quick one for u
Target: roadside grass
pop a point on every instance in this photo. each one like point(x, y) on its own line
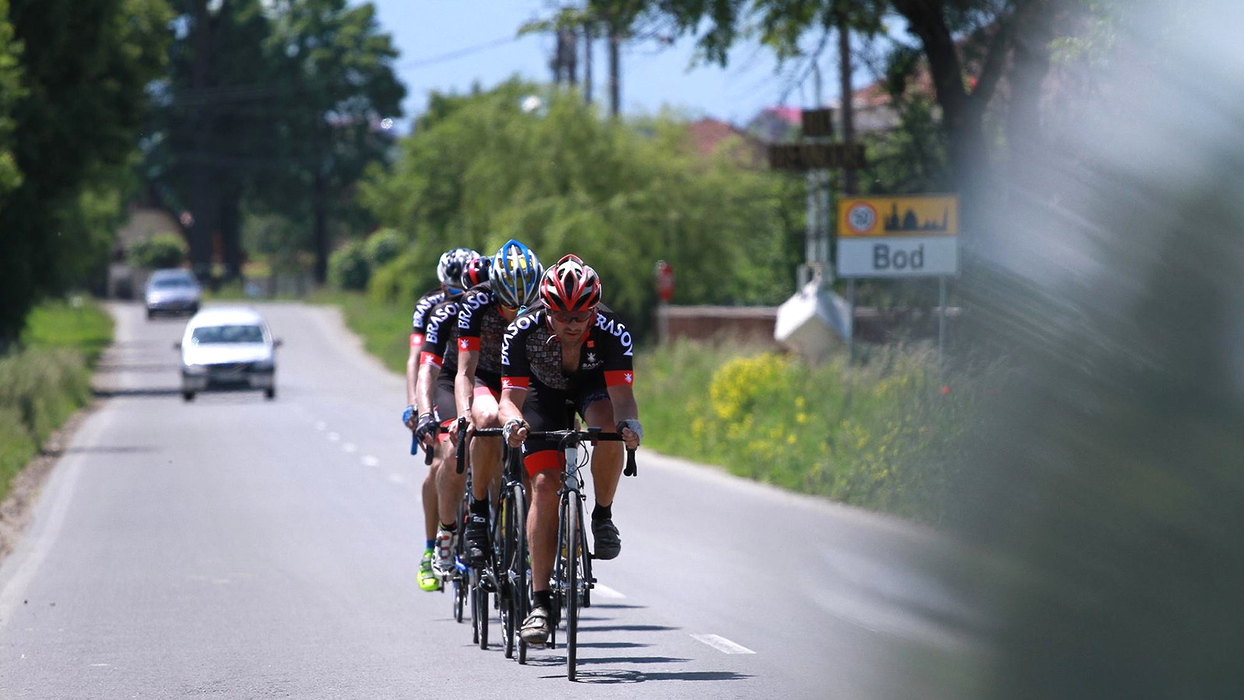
point(384, 328)
point(47, 378)
point(885, 434)
point(78, 323)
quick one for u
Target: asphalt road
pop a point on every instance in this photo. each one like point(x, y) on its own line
point(234, 547)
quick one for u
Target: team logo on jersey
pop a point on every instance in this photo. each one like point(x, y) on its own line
point(464, 344)
point(591, 361)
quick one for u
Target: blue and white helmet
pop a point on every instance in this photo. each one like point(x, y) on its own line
point(515, 276)
point(451, 266)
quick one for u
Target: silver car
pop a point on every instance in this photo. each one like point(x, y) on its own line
point(172, 291)
point(227, 348)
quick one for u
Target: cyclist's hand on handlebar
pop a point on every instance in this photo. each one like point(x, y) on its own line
point(408, 417)
point(425, 429)
point(515, 431)
point(632, 432)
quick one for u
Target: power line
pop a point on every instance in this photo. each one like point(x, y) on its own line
point(456, 54)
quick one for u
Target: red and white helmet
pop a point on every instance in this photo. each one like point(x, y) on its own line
point(570, 285)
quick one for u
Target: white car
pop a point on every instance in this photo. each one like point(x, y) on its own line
point(227, 348)
point(172, 291)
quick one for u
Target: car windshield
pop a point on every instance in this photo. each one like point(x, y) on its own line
point(227, 334)
point(172, 283)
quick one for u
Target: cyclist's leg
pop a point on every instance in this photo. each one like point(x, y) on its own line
point(485, 472)
point(485, 451)
point(449, 484)
point(544, 409)
point(606, 471)
point(428, 579)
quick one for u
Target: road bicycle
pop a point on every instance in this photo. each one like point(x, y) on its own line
point(506, 572)
point(572, 581)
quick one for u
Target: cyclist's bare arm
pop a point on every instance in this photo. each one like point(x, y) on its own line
point(412, 380)
point(511, 408)
point(622, 396)
point(464, 383)
point(425, 387)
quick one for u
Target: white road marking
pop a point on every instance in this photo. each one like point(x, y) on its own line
point(349, 447)
point(334, 437)
point(606, 592)
point(321, 425)
point(397, 478)
point(722, 644)
point(370, 461)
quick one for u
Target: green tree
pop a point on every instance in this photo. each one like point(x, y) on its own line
point(621, 195)
point(340, 68)
point(75, 126)
point(10, 92)
point(968, 47)
point(271, 109)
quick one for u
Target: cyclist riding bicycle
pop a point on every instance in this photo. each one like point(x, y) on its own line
point(567, 348)
point(449, 271)
point(483, 315)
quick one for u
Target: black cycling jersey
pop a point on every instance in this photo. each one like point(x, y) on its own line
point(439, 335)
point(531, 359)
point(419, 318)
point(530, 354)
point(481, 328)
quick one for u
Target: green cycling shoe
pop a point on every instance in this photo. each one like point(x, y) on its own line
point(428, 580)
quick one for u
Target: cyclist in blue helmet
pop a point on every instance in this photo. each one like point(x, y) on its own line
point(483, 315)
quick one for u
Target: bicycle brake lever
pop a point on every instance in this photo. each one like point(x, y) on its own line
point(631, 468)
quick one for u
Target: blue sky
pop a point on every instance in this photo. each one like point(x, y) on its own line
point(447, 45)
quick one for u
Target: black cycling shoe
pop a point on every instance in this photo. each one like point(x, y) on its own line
point(605, 536)
point(477, 546)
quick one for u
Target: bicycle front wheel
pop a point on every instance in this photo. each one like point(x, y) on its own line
point(518, 573)
point(574, 562)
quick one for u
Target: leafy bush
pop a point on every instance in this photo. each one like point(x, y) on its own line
point(382, 246)
point(402, 280)
point(348, 268)
point(160, 251)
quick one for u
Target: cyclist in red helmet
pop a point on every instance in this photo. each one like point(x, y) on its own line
point(568, 347)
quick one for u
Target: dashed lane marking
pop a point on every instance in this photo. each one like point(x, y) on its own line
point(722, 644)
point(334, 437)
point(349, 447)
point(370, 461)
point(606, 592)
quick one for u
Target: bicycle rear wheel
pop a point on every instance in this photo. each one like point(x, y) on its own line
point(506, 593)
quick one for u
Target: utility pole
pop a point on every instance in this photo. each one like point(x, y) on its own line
point(849, 183)
point(587, 62)
point(615, 71)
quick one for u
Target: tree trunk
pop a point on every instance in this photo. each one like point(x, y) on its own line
point(319, 204)
point(1031, 65)
point(201, 199)
point(230, 204)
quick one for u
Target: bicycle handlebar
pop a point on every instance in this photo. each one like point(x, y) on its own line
point(590, 434)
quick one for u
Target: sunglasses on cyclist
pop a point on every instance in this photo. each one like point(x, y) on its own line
point(567, 317)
